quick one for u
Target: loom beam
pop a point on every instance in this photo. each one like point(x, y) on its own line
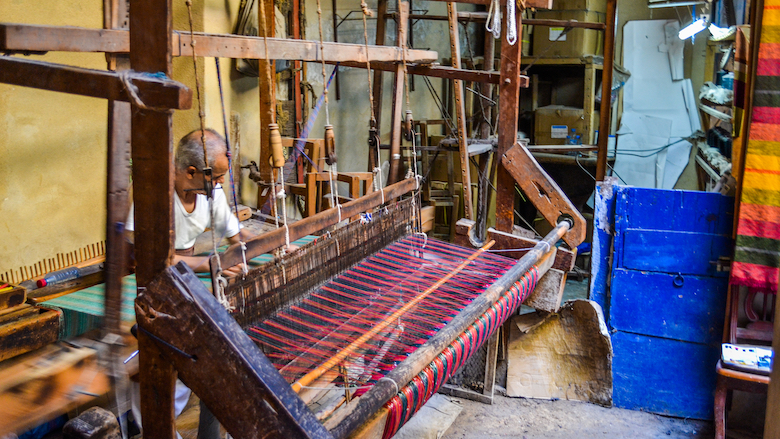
point(218, 361)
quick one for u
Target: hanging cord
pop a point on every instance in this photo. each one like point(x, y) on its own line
point(230, 162)
point(333, 170)
point(322, 57)
point(208, 182)
point(511, 23)
point(416, 205)
point(493, 23)
point(372, 122)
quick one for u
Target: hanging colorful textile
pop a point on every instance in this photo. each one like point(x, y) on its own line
point(757, 253)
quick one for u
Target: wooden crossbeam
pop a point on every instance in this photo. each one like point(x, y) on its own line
point(436, 71)
point(539, 4)
point(152, 91)
point(34, 38)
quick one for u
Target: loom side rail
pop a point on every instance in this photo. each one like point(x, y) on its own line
point(543, 255)
point(218, 361)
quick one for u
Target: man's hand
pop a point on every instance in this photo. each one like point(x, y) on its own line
point(236, 270)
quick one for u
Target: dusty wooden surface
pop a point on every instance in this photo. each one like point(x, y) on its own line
point(40, 386)
point(27, 328)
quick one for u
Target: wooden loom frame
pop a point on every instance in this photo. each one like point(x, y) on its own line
point(154, 43)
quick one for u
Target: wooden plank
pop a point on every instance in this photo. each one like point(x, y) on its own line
point(152, 152)
point(606, 81)
point(548, 294)
point(659, 250)
point(117, 180)
point(688, 369)
point(46, 384)
point(434, 71)
point(13, 297)
point(508, 108)
point(152, 91)
point(688, 308)
point(374, 428)
point(543, 192)
point(460, 112)
point(209, 342)
point(36, 38)
point(26, 329)
point(539, 4)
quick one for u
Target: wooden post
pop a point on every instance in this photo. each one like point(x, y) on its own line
point(606, 90)
point(267, 100)
point(508, 104)
point(150, 38)
point(460, 112)
point(398, 100)
point(118, 179)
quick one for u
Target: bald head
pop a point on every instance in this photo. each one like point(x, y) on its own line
point(189, 152)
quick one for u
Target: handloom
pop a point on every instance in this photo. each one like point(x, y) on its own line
point(364, 324)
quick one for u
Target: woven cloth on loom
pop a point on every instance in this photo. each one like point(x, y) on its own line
point(83, 310)
point(757, 253)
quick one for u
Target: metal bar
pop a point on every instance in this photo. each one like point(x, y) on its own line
point(606, 89)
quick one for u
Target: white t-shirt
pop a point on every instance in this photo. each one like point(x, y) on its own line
point(190, 225)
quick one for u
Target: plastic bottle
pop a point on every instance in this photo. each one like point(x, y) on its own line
point(578, 140)
point(572, 139)
point(59, 276)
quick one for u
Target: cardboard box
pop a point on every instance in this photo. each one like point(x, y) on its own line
point(576, 43)
point(553, 123)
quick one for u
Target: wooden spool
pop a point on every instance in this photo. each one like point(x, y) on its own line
point(277, 151)
point(330, 145)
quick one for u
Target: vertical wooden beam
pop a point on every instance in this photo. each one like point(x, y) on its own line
point(398, 100)
point(118, 178)
point(460, 111)
point(150, 42)
point(267, 94)
point(336, 40)
point(606, 90)
point(508, 108)
point(381, 24)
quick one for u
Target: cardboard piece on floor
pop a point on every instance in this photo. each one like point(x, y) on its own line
point(566, 355)
point(433, 419)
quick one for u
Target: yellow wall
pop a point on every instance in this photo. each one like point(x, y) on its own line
point(52, 152)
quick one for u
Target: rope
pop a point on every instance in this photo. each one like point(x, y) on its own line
point(126, 77)
point(201, 114)
point(493, 23)
point(511, 25)
point(230, 165)
point(322, 57)
point(368, 13)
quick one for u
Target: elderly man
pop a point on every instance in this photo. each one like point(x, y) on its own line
point(192, 216)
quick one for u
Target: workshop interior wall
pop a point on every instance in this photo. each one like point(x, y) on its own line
point(52, 151)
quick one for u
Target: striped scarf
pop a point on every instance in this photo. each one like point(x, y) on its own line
point(757, 254)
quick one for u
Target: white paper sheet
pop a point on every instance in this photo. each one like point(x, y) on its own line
point(657, 109)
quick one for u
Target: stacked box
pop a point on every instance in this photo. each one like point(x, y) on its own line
point(554, 122)
point(576, 43)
